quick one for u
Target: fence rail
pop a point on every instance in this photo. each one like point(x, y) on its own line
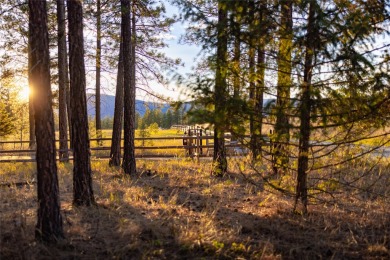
point(189, 146)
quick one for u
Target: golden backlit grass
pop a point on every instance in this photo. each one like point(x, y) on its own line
point(174, 209)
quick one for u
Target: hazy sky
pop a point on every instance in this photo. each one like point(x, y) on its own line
point(187, 53)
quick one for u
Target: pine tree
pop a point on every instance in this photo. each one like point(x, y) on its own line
point(115, 153)
point(342, 99)
point(6, 121)
point(220, 93)
point(82, 174)
point(128, 164)
point(49, 225)
point(305, 108)
point(98, 120)
point(282, 128)
point(62, 81)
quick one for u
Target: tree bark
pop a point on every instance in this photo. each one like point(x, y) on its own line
point(282, 128)
point(98, 120)
point(67, 80)
point(128, 164)
point(30, 97)
point(49, 227)
point(235, 20)
point(305, 110)
point(220, 93)
point(115, 154)
point(259, 99)
point(62, 75)
point(82, 178)
point(252, 81)
point(259, 85)
point(32, 142)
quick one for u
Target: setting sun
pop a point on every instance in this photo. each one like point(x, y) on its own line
point(24, 93)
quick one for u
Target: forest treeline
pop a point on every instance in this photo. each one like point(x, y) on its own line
point(325, 63)
point(163, 119)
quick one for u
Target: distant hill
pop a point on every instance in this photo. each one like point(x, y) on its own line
point(108, 106)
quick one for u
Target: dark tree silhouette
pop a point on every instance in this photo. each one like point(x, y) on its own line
point(98, 120)
point(115, 153)
point(49, 226)
point(128, 164)
point(305, 107)
point(31, 121)
point(220, 93)
point(82, 179)
point(62, 81)
point(282, 128)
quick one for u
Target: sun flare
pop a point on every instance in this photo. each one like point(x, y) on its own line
point(24, 93)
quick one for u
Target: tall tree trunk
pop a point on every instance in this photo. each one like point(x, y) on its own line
point(305, 110)
point(260, 79)
point(255, 142)
point(128, 164)
point(62, 64)
point(115, 154)
point(32, 141)
point(220, 92)
point(235, 20)
point(49, 226)
point(282, 128)
point(30, 98)
point(98, 69)
point(133, 78)
point(259, 98)
point(67, 80)
point(82, 178)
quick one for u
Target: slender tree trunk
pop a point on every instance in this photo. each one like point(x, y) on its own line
point(32, 142)
point(49, 226)
point(220, 93)
point(259, 98)
point(237, 70)
point(260, 78)
point(133, 78)
point(63, 120)
point(98, 69)
point(67, 80)
point(115, 154)
point(128, 164)
point(235, 20)
point(305, 109)
point(82, 178)
point(133, 61)
point(282, 128)
point(30, 98)
point(254, 118)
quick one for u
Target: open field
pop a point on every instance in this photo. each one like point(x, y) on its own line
point(104, 134)
point(174, 209)
point(165, 143)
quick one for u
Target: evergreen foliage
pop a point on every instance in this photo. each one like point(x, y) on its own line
point(325, 63)
point(6, 121)
point(164, 120)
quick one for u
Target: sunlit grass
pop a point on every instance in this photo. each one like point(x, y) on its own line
point(176, 209)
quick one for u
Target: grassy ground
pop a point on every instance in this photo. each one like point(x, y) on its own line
point(105, 145)
point(175, 210)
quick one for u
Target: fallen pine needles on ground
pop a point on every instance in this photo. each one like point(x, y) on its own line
point(175, 209)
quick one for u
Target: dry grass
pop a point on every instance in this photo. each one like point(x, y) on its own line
point(174, 209)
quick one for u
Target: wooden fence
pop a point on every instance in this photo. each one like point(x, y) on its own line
point(179, 146)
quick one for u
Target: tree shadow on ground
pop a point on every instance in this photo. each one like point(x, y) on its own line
point(253, 233)
point(189, 216)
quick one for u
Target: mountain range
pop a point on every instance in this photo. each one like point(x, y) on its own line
point(108, 106)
